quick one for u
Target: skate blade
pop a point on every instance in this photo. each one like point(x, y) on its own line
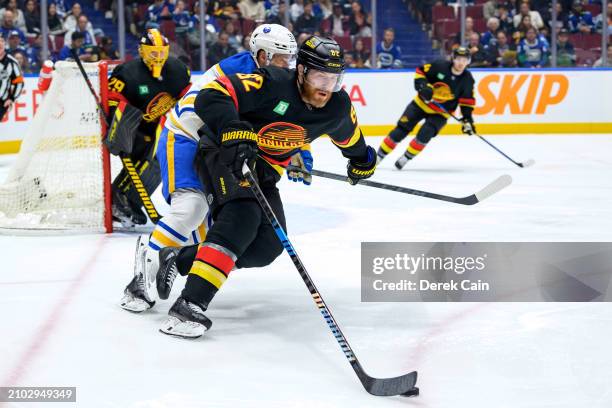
point(187, 330)
point(134, 305)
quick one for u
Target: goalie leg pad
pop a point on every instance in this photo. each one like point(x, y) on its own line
point(122, 131)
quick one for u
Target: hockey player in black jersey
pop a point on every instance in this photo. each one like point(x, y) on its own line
point(140, 92)
point(440, 83)
point(261, 118)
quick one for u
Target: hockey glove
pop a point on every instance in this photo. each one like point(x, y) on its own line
point(467, 125)
point(238, 144)
point(359, 170)
point(426, 93)
point(303, 160)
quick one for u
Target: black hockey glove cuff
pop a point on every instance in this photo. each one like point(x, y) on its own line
point(238, 144)
point(467, 125)
point(426, 93)
point(359, 170)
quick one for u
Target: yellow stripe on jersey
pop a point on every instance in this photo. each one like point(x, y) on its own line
point(219, 70)
point(419, 76)
point(217, 86)
point(170, 158)
point(427, 109)
point(202, 232)
point(354, 139)
point(158, 237)
point(208, 273)
point(187, 101)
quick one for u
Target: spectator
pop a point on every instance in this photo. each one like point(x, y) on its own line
point(359, 21)
point(566, 56)
point(62, 10)
point(599, 62)
point(252, 9)
point(326, 7)
point(14, 43)
point(70, 21)
point(77, 39)
point(490, 9)
point(360, 55)
point(307, 22)
point(479, 57)
point(349, 61)
point(522, 28)
point(469, 30)
point(221, 49)
point(489, 38)
point(336, 23)
point(8, 26)
point(506, 21)
point(54, 22)
point(182, 18)
point(246, 44)
point(159, 10)
point(83, 26)
point(301, 38)
point(503, 53)
point(296, 10)
point(224, 9)
point(18, 16)
point(562, 17)
point(524, 10)
point(107, 51)
point(388, 53)
point(280, 17)
point(33, 53)
point(580, 20)
point(234, 39)
point(532, 52)
point(604, 19)
point(32, 19)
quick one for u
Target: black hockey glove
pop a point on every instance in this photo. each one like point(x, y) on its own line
point(359, 170)
point(426, 93)
point(467, 125)
point(238, 143)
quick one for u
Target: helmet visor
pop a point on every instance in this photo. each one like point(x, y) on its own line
point(324, 81)
point(283, 60)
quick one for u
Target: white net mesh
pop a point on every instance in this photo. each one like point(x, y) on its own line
point(57, 181)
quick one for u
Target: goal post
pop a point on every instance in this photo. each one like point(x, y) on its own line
point(61, 177)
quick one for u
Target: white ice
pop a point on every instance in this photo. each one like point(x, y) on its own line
point(269, 346)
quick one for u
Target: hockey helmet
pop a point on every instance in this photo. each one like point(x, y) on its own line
point(273, 39)
point(462, 52)
point(154, 50)
point(325, 56)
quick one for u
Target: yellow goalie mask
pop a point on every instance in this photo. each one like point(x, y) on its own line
point(154, 50)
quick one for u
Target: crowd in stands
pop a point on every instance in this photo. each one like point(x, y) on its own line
point(518, 33)
point(69, 28)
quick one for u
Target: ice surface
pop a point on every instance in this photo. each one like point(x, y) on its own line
point(269, 347)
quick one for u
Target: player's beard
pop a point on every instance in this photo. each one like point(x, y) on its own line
point(314, 97)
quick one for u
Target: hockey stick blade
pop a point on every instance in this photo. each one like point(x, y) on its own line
point(387, 387)
point(528, 163)
point(492, 188)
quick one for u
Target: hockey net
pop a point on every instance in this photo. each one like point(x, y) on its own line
point(61, 177)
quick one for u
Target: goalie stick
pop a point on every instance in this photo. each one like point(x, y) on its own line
point(493, 187)
point(402, 385)
point(527, 163)
point(145, 199)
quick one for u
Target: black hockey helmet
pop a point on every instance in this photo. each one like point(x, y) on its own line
point(462, 52)
point(321, 53)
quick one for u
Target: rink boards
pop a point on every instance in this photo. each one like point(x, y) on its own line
point(509, 101)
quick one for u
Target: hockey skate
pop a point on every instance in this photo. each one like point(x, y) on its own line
point(137, 295)
point(186, 319)
point(167, 271)
point(401, 162)
point(125, 212)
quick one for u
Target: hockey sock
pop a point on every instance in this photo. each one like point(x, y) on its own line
point(208, 273)
point(414, 148)
point(386, 147)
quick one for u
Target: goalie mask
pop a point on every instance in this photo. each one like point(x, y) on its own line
point(154, 51)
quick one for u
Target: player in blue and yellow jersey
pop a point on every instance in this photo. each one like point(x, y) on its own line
point(185, 223)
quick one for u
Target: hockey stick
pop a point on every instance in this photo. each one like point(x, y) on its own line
point(527, 163)
point(493, 187)
point(126, 161)
point(402, 385)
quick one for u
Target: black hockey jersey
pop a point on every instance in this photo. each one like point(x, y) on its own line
point(270, 100)
point(450, 90)
point(133, 83)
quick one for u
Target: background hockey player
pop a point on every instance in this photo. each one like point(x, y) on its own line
point(141, 91)
point(11, 80)
point(442, 82)
point(263, 119)
point(184, 223)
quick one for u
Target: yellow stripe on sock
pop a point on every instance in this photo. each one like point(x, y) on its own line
point(385, 148)
point(208, 273)
point(413, 151)
point(158, 238)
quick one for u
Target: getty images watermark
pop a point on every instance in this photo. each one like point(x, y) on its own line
point(484, 271)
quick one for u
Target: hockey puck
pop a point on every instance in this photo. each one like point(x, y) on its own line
point(412, 393)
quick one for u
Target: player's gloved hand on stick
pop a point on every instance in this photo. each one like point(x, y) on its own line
point(303, 160)
point(426, 93)
point(359, 170)
point(467, 125)
point(238, 143)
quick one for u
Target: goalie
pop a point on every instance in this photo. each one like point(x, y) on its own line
point(140, 92)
